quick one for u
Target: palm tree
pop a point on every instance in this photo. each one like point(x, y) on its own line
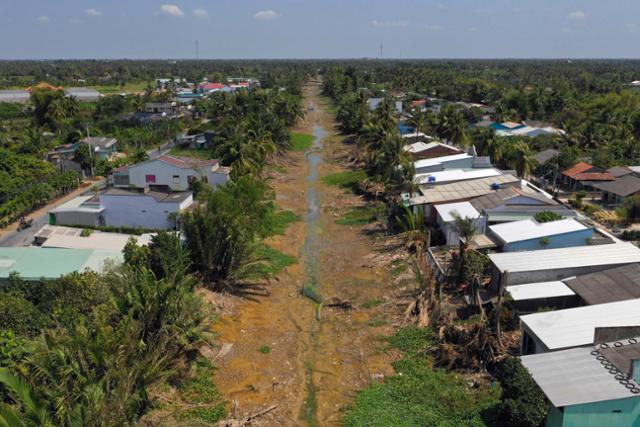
point(29, 406)
point(522, 159)
point(417, 119)
point(466, 228)
point(452, 125)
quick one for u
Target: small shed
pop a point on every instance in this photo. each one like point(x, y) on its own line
point(446, 220)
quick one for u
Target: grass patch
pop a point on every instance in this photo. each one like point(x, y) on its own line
point(420, 395)
point(200, 389)
point(276, 260)
point(372, 303)
point(347, 180)
point(359, 216)
point(301, 141)
point(282, 220)
point(265, 349)
point(129, 87)
point(191, 152)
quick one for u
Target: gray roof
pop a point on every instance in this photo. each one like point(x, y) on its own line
point(565, 258)
point(619, 171)
point(616, 284)
point(576, 376)
point(543, 156)
point(463, 190)
point(624, 186)
point(159, 196)
point(14, 96)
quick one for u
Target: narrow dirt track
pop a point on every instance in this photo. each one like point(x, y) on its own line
point(317, 360)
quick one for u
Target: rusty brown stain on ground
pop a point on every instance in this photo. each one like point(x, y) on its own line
point(338, 354)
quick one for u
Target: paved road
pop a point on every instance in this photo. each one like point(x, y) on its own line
point(25, 237)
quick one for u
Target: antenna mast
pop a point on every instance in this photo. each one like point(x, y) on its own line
point(197, 51)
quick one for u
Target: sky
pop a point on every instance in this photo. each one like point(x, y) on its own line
point(225, 29)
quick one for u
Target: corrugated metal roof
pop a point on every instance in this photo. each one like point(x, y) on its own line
point(33, 263)
point(96, 240)
point(462, 190)
point(463, 209)
point(574, 377)
point(539, 290)
point(616, 284)
point(575, 327)
point(579, 167)
point(423, 163)
point(453, 175)
point(580, 256)
point(530, 229)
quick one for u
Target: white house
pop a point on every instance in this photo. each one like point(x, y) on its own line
point(117, 207)
point(171, 172)
point(446, 219)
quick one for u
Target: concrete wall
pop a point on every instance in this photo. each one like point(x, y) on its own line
point(76, 218)
point(598, 414)
point(140, 211)
point(566, 240)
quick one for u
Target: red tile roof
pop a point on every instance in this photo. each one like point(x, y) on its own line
point(578, 168)
point(594, 176)
point(187, 163)
point(212, 86)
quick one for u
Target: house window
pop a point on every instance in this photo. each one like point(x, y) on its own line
point(176, 179)
point(150, 179)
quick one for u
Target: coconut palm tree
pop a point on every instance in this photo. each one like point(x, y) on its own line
point(466, 228)
point(522, 159)
point(417, 119)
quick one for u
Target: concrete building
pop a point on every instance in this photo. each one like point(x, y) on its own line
point(34, 264)
point(436, 164)
point(445, 219)
point(557, 264)
point(123, 208)
point(529, 235)
point(591, 386)
point(171, 172)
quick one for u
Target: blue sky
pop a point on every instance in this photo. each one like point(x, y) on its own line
point(319, 28)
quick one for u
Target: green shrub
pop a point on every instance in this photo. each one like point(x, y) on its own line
point(265, 349)
point(523, 404)
point(547, 216)
point(347, 180)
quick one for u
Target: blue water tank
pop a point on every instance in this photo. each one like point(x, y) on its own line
point(432, 179)
point(495, 186)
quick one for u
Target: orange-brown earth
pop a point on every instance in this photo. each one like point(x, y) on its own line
point(318, 357)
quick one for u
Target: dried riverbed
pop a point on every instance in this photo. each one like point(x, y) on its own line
point(285, 349)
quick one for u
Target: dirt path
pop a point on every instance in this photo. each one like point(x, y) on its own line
point(312, 361)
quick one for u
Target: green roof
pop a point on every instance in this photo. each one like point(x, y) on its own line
point(33, 263)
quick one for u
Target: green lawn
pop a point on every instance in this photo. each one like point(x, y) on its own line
point(301, 141)
point(191, 152)
point(420, 395)
point(277, 261)
point(359, 216)
point(129, 87)
point(281, 221)
point(346, 180)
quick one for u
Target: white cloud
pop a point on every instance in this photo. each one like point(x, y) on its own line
point(266, 15)
point(43, 19)
point(200, 13)
point(390, 24)
point(92, 12)
point(577, 16)
point(171, 10)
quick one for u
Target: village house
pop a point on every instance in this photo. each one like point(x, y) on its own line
point(528, 234)
point(170, 172)
point(101, 147)
point(613, 285)
point(56, 236)
point(615, 192)
point(582, 175)
point(592, 386)
point(446, 217)
point(116, 207)
point(557, 264)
